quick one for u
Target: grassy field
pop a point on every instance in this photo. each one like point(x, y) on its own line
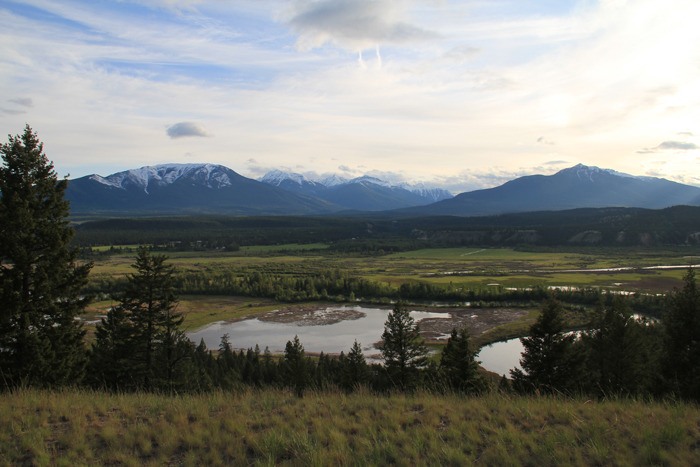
point(271, 427)
point(199, 310)
point(462, 267)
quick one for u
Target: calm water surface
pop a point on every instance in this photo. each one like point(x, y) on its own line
point(328, 338)
point(501, 357)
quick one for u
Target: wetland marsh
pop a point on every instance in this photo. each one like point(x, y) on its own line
point(333, 326)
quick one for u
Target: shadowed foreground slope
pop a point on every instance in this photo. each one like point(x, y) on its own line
point(273, 427)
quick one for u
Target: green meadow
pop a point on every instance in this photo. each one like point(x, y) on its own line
point(460, 267)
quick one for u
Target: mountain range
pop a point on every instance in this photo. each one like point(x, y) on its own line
point(210, 188)
point(579, 186)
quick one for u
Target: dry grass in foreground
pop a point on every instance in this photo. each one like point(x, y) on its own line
point(331, 428)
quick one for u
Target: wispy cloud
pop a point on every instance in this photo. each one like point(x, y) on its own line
point(354, 24)
point(22, 101)
point(670, 146)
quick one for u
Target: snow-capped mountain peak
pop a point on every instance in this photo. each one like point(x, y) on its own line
point(332, 180)
point(369, 179)
point(209, 175)
point(276, 177)
point(591, 173)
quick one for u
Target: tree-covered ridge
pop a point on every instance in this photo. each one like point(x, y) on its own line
point(676, 225)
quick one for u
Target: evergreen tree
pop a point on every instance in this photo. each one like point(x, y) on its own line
point(548, 360)
point(229, 371)
point(458, 364)
point(621, 352)
point(41, 340)
point(355, 371)
point(110, 356)
point(149, 298)
point(205, 368)
point(146, 324)
point(682, 339)
point(403, 349)
point(295, 370)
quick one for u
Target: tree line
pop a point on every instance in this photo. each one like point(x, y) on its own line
point(619, 354)
point(341, 286)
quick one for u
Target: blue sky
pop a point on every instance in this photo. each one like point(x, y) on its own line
point(461, 94)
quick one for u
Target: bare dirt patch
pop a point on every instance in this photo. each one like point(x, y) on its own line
point(311, 315)
point(476, 320)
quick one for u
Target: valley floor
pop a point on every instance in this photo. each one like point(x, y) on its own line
point(332, 428)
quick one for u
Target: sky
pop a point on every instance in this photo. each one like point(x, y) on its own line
point(458, 94)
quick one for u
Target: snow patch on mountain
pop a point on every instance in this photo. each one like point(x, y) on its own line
point(277, 177)
point(366, 179)
point(428, 192)
point(588, 172)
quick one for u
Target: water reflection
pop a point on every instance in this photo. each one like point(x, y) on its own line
point(501, 357)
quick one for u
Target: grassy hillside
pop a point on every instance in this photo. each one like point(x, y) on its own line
point(274, 427)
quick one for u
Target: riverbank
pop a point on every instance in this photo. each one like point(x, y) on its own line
point(332, 428)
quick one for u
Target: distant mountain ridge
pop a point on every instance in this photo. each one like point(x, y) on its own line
point(364, 193)
point(579, 186)
point(185, 188)
point(212, 188)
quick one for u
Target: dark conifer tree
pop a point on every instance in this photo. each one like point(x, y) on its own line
point(111, 354)
point(149, 299)
point(458, 364)
point(146, 316)
point(41, 341)
point(205, 368)
point(548, 361)
point(404, 351)
point(354, 369)
point(295, 367)
point(682, 339)
point(621, 352)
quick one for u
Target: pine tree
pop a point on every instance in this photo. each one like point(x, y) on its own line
point(620, 352)
point(682, 340)
point(295, 370)
point(146, 324)
point(150, 299)
point(355, 371)
point(403, 349)
point(110, 357)
point(458, 364)
point(41, 339)
point(548, 360)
